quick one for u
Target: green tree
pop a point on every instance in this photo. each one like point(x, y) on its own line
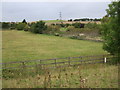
point(26, 28)
point(38, 27)
point(5, 25)
point(13, 25)
point(24, 21)
point(20, 26)
point(111, 29)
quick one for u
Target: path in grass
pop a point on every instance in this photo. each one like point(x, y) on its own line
point(21, 45)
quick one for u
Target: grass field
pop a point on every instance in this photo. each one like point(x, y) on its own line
point(20, 45)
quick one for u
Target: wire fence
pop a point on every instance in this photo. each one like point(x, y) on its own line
point(68, 72)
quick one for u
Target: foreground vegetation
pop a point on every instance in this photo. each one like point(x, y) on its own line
point(21, 45)
point(83, 76)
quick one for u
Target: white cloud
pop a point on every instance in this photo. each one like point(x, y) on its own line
point(57, 0)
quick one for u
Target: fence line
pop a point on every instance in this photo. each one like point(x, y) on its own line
point(53, 59)
point(67, 61)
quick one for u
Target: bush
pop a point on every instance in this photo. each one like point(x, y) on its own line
point(26, 28)
point(38, 27)
point(21, 26)
point(52, 29)
point(62, 25)
point(93, 27)
point(5, 25)
point(63, 29)
point(76, 25)
point(67, 24)
point(70, 28)
point(13, 25)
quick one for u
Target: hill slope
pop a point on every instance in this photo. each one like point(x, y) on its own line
point(20, 45)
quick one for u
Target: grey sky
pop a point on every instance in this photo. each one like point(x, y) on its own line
point(34, 11)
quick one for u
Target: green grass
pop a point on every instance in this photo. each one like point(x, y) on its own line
point(83, 76)
point(20, 45)
point(63, 29)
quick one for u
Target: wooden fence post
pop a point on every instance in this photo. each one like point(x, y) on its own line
point(69, 61)
point(55, 62)
point(40, 61)
point(5, 66)
point(23, 64)
point(103, 58)
point(40, 65)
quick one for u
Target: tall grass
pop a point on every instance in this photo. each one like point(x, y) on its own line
point(89, 76)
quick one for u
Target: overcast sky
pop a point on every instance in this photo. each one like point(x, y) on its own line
point(34, 11)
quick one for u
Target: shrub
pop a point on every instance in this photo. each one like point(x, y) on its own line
point(67, 24)
point(48, 30)
point(93, 27)
point(76, 25)
point(74, 30)
point(53, 30)
point(5, 25)
point(13, 25)
point(21, 26)
point(70, 28)
point(26, 28)
point(62, 25)
point(38, 27)
point(63, 29)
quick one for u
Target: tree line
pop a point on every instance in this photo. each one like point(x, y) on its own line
point(86, 19)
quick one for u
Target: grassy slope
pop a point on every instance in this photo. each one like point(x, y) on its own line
point(20, 45)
